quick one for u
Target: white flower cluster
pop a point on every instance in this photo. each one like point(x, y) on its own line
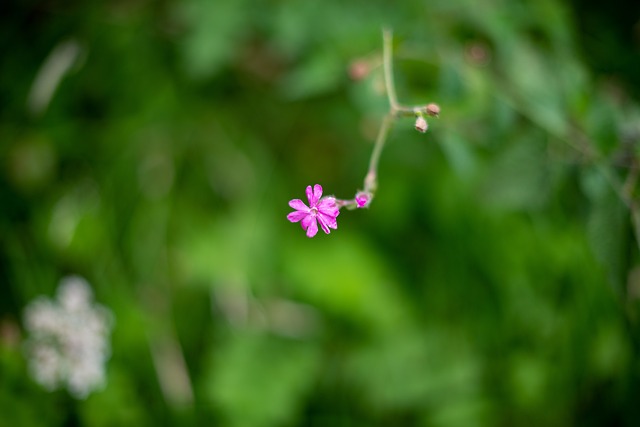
point(69, 339)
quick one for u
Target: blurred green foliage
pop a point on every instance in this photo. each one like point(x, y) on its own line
point(152, 148)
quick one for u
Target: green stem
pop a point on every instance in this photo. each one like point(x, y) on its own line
point(387, 58)
point(371, 180)
point(395, 110)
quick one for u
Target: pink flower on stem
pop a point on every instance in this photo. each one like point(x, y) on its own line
point(320, 209)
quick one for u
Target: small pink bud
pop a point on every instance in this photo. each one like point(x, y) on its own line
point(363, 199)
point(359, 69)
point(433, 110)
point(421, 124)
point(478, 53)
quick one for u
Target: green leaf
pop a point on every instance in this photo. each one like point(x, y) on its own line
point(259, 381)
point(214, 30)
point(344, 277)
point(459, 154)
point(607, 224)
point(519, 177)
point(415, 368)
point(320, 73)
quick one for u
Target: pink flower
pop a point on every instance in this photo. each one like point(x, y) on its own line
point(320, 209)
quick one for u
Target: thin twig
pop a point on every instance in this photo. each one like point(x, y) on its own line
point(387, 58)
point(371, 180)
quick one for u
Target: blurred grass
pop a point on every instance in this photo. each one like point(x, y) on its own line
point(490, 283)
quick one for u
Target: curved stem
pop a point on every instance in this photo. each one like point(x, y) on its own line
point(395, 110)
point(371, 180)
point(387, 58)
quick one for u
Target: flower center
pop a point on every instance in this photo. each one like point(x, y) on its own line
point(314, 211)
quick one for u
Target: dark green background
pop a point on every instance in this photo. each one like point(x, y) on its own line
point(494, 280)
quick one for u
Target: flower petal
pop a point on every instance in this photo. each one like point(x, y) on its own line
point(313, 229)
point(310, 225)
point(327, 222)
point(317, 193)
point(297, 216)
point(309, 192)
point(306, 221)
point(328, 206)
point(298, 205)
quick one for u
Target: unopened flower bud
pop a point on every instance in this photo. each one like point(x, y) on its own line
point(363, 199)
point(421, 124)
point(433, 110)
point(359, 69)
